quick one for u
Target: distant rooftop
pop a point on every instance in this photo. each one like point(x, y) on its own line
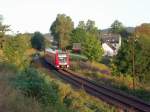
point(110, 38)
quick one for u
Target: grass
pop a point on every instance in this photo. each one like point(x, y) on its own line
point(2, 57)
point(76, 99)
point(16, 100)
point(100, 66)
point(88, 68)
point(30, 51)
point(121, 82)
point(125, 84)
point(1, 52)
point(61, 96)
point(78, 57)
point(12, 100)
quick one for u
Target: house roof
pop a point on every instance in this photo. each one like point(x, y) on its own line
point(111, 46)
point(110, 38)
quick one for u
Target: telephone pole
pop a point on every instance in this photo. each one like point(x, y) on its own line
point(133, 62)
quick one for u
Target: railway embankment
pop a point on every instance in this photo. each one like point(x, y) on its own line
point(40, 92)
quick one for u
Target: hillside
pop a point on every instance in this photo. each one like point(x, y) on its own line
point(128, 29)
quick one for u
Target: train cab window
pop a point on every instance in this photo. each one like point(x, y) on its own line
point(62, 59)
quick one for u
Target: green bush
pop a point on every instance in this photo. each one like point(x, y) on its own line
point(15, 51)
point(32, 84)
point(54, 95)
point(28, 91)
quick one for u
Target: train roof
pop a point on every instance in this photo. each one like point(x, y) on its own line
point(54, 50)
point(50, 50)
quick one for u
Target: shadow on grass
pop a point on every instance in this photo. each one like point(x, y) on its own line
point(141, 93)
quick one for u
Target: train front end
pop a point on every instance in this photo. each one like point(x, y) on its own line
point(63, 60)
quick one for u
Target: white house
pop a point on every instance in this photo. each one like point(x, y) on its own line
point(111, 43)
point(108, 51)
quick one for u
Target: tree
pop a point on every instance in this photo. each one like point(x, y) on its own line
point(123, 59)
point(137, 46)
point(143, 29)
point(81, 25)
point(90, 25)
point(88, 36)
point(38, 41)
point(3, 30)
point(78, 35)
point(142, 61)
point(61, 30)
point(92, 29)
point(92, 48)
point(117, 27)
point(15, 51)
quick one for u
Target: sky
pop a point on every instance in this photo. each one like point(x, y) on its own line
point(38, 15)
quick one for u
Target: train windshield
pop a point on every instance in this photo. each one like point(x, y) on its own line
point(62, 58)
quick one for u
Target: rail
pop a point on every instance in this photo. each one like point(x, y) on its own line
point(108, 94)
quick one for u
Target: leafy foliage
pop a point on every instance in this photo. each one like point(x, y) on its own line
point(78, 35)
point(15, 50)
point(3, 30)
point(123, 60)
point(92, 49)
point(38, 41)
point(11, 99)
point(81, 25)
point(117, 27)
point(92, 29)
point(142, 61)
point(35, 85)
point(80, 101)
point(139, 48)
point(88, 36)
point(61, 30)
point(32, 84)
point(89, 27)
point(143, 29)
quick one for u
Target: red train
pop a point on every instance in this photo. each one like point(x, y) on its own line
point(57, 58)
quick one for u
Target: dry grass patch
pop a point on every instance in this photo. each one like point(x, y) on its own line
point(30, 51)
point(12, 100)
point(78, 100)
point(100, 66)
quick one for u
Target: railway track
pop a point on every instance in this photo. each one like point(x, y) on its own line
point(107, 94)
point(111, 96)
